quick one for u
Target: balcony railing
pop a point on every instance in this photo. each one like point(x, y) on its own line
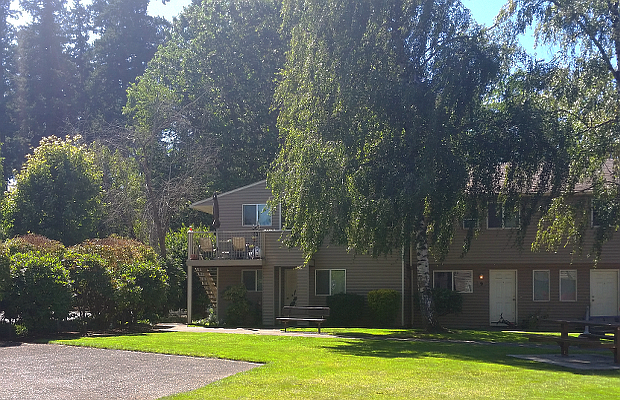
point(243, 245)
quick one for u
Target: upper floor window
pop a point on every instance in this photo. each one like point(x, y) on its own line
point(501, 217)
point(256, 215)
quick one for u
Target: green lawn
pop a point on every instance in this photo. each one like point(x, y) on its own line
point(370, 367)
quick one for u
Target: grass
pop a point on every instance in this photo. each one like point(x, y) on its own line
point(365, 365)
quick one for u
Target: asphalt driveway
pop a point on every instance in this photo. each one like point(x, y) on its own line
point(49, 371)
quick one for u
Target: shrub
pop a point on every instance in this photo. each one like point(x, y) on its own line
point(117, 250)
point(447, 301)
point(140, 291)
point(39, 295)
point(384, 305)
point(32, 242)
point(93, 293)
point(345, 309)
point(238, 311)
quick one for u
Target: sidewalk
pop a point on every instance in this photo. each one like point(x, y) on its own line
point(179, 327)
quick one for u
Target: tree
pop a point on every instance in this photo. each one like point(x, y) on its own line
point(45, 91)
point(127, 39)
point(221, 63)
point(7, 70)
point(200, 115)
point(57, 193)
point(381, 110)
point(583, 91)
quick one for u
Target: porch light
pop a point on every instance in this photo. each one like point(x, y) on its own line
point(481, 277)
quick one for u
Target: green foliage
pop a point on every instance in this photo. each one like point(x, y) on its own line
point(384, 305)
point(39, 295)
point(238, 311)
point(345, 309)
point(93, 292)
point(447, 301)
point(176, 256)
point(580, 94)
point(139, 291)
point(57, 193)
point(219, 67)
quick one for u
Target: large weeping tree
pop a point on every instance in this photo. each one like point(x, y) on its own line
point(381, 111)
point(582, 89)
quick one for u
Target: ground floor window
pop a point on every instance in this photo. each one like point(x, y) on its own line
point(253, 280)
point(330, 281)
point(461, 281)
point(568, 285)
point(541, 285)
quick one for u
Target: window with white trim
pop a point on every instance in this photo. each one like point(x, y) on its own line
point(568, 285)
point(461, 281)
point(256, 215)
point(540, 284)
point(252, 279)
point(328, 282)
point(470, 223)
point(500, 217)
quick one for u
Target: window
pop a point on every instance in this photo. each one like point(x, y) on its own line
point(470, 223)
point(461, 281)
point(502, 217)
point(541, 285)
point(568, 285)
point(256, 214)
point(252, 280)
point(330, 281)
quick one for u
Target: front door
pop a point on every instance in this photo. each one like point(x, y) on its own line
point(604, 292)
point(289, 287)
point(502, 296)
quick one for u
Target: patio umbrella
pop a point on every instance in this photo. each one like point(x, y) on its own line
point(216, 212)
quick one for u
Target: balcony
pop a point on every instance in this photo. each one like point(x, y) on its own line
point(224, 248)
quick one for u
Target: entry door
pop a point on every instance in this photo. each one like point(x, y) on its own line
point(289, 286)
point(502, 295)
point(604, 292)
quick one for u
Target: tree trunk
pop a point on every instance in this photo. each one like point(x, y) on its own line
point(427, 305)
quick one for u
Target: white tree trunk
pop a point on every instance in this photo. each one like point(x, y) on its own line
point(427, 306)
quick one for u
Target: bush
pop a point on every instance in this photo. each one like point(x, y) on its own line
point(238, 311)
point(447, 301)
point(93, 292)
point(384, 305)
point(345, 309)
point(39, 295)
point(140, 291)
point(32, 242)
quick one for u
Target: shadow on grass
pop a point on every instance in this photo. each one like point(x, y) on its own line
point(495, 353)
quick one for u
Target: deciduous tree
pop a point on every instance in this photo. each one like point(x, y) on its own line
point(381, 110)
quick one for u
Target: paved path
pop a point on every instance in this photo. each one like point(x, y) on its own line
point(48, 371)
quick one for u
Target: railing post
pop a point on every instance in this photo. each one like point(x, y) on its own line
point(190, 251)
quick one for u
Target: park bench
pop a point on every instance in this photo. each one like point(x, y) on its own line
point(314, 314)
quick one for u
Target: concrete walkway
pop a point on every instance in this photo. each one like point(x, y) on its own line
point(49, 371)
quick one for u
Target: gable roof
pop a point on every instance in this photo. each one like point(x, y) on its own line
point(206, 205)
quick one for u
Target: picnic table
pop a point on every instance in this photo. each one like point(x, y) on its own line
point(566, 341)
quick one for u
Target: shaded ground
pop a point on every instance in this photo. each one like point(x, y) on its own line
point(47, 371)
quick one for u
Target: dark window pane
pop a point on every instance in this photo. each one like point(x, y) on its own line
point(322, 282)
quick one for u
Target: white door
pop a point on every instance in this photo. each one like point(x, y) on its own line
point(289, 286)
point(502, 296)
point(604, 292)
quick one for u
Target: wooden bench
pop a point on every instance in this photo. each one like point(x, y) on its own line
point(313, 314)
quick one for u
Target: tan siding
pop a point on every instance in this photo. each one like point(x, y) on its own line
point(231, 204)
point(363, 273)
